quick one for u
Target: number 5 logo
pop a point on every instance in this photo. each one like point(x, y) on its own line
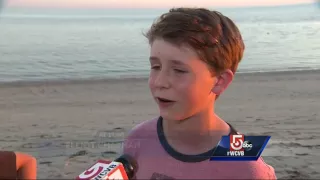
point(92, 172)
point(236, 142)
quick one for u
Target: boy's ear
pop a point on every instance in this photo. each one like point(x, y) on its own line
point(223, 81)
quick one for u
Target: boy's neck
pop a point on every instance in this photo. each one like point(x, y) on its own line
point(197, 133)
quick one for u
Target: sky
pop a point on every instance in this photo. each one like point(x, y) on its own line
point(147, 3)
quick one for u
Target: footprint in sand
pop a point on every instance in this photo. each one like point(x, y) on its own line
point(79, 153)
point(108, 154)
point(36, 145)
point(46, 162)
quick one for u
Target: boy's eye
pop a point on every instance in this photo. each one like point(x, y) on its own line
point(180, 71)
point(155, 67)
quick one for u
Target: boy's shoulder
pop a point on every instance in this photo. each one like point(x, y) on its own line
point(252, 170)
point(136, 137)
point(144, 129)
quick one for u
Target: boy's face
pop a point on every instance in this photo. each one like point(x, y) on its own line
point(181, 84)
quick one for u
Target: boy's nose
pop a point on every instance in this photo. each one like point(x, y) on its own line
point(162, 80)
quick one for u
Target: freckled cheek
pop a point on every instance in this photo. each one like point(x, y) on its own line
point(151, 82)
point(184, 91)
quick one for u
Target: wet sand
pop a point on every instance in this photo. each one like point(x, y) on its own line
point(67, 126)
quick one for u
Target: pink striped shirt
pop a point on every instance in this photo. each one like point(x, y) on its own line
point(158, 160)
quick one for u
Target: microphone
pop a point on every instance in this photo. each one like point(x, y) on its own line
point(124, 167)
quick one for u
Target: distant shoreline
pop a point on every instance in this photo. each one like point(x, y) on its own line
point(165, 8)
point(126, 78)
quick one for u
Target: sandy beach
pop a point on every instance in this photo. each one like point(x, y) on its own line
point(67, 126)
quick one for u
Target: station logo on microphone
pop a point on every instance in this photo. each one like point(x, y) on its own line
point(239, 147)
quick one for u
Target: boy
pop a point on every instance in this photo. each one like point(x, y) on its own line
point(194, 56)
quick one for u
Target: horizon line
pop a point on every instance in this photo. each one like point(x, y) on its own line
point(222, 7)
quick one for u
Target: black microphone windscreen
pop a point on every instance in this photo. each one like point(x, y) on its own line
point(130, 165)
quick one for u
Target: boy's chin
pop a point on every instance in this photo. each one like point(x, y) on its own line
point(170, 116)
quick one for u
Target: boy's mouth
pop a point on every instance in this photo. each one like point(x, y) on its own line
point(163, 100)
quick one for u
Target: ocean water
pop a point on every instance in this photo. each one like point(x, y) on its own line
point(59, 44)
